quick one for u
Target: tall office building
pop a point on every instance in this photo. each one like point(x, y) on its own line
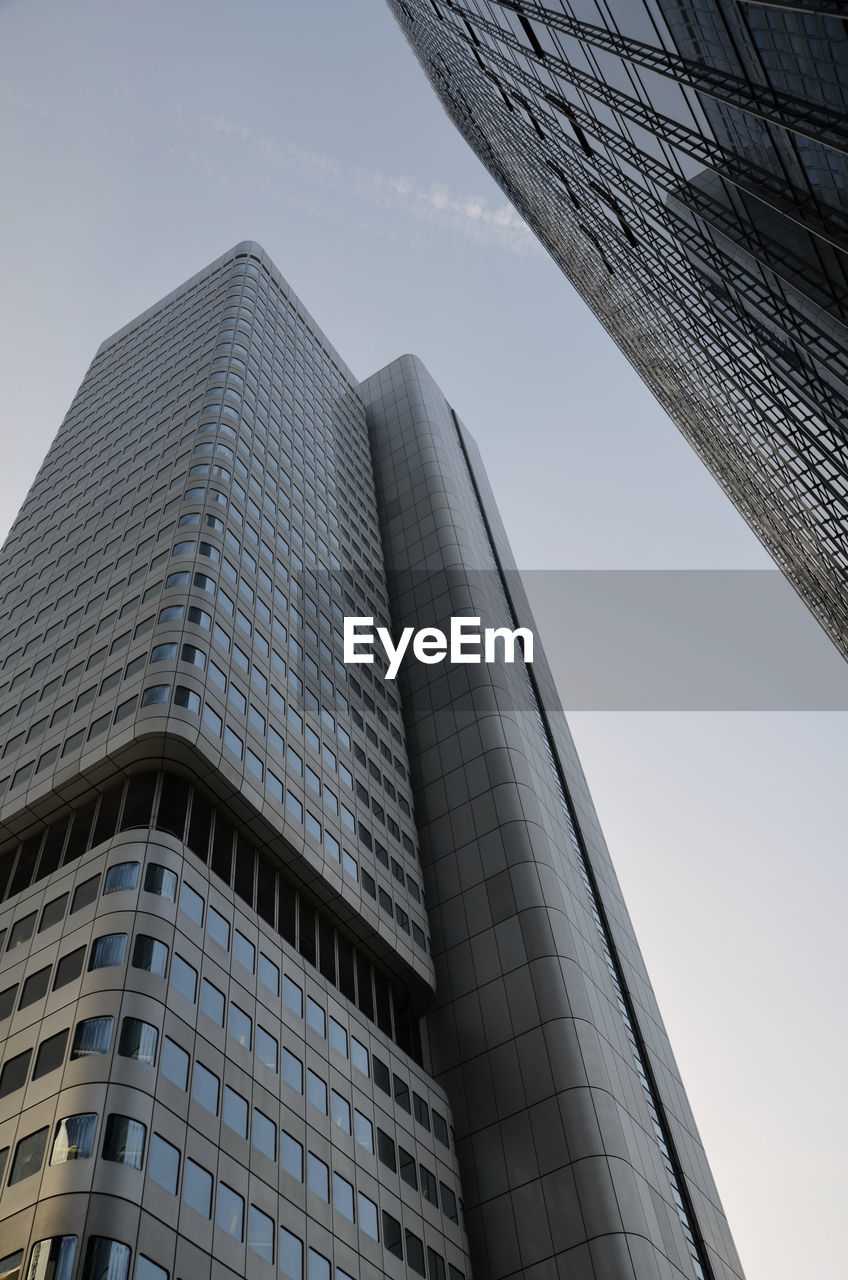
point(684, 161)
point(294, 979)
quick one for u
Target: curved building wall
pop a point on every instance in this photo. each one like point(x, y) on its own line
point(577, 1147)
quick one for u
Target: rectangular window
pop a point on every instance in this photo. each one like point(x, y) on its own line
point(316, 1091)
point(264, 1134)
point(260, 1234)
point(29, 1156)
point(184, 978)
point(240, 1026)
point(317, 1176)
point(291, 1155)
point(291, 1255)
point(175, 1062)
point(205, 1088)
point(197, 1188)
point(235, 1111)
point(163, 1166)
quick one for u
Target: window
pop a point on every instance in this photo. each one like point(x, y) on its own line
point(363, 1131)
point(449, 1206)
point(293, 996)
point(317, 1177)
point(408, 1168)
point(155, 694)
point(316, 1017)
point(191, 904)
point(175, 1063)
point(244, 951)
point(339, 1111)
point(212, 1002)
point(264, 1134)
point(7, 1001)
point(69, 968)
point(317, 1266)
point(108, 951)
point(269, 974)
point(291, 1155)
point(53, 912)
point(440, 1129)
point(35, 988)
point(235, 1111)
point(392, 1236)
point(267, 1049)
point(428, 1185)
point(124, 1141)
point(368, 1217)
point(205, 1088)
point(51, 1054)
point(29, 1155)
point(184, 978)
point(122, 876)
point(386, 1150)
point(291, 1255)
point(11, 1263)
point(316, 1091)
point(402, 1094)
point(106, 1260)
point(381, 1075)
point(343, 1197)
point(338, 1037)
point(230, 1212)
point(240, 1026)
point(359, 1056)
point(92, 1035)
point(163, 1166)
point(150, 954)
point(218, 928)
point(415, 1253)
point(74, 1138)
point(260, 1234)
point(21, 932)
point(421, 1110)
point(52, 1259)
point(147, 1270)
point(197, 1188)
point(85, 894)
point(161, 881)
point(435, 1265)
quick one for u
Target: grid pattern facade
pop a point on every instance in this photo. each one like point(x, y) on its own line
point(214, 948)
point(685, 164)
point(292, 983)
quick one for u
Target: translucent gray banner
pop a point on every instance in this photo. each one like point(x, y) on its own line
point(690, 640)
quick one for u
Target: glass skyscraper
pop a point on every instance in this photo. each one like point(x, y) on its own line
point(303, 972)
point(684, 161)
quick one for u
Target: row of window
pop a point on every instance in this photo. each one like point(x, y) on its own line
point(125, 1142)
point(189, 699)
point(151, 955)
point(105, 1259)
point(181, 810)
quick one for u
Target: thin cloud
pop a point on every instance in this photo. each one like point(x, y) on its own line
point(472, 216)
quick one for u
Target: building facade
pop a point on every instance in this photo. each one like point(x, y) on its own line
point(684, 161)
point(303, 971)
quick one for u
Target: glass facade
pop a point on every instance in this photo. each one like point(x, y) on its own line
point(293, 977)
point(684, 161)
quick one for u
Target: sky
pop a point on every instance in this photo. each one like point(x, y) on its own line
point(141, 141)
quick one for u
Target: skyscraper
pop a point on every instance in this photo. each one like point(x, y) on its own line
point(302, 970)
point(684, 161)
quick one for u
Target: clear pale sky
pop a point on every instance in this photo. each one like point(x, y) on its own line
point(141, 141)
